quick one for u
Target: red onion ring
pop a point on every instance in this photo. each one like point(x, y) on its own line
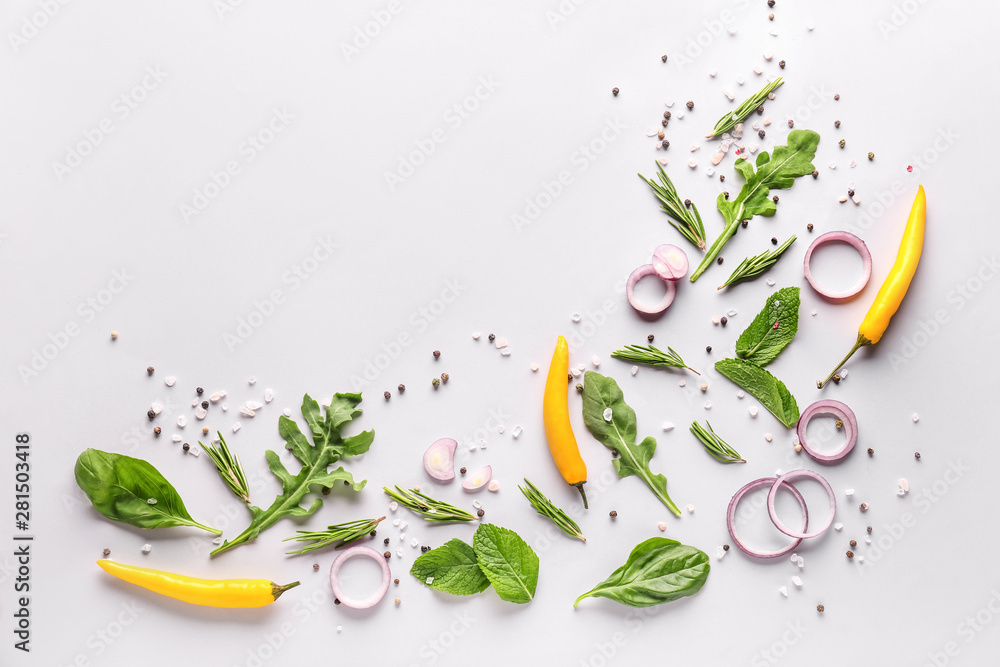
point(854, 242)
point(784, 479)
point(372, 599)
point(642, 272)
point(731, 517)
point(834, 409)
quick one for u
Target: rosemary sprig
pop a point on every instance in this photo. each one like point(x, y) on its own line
point(715, 445)
point(546, 508)
point(740, 113)
point(652, 356)
point(690, 226)
point(340, 534)
point(751, 267)
point(230, 468)
point(432, 510)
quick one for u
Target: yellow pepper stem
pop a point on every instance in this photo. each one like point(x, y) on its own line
point(584, 494)
point(862, 341)
point(277, 590)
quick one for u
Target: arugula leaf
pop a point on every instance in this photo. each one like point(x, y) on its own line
point(131, 491)
point(601, 393)
point(507, 561)
point(327, 448)
point(658, 570)
point(763, 386)
point(452, 568)
point(773, 172)
point(772, 329)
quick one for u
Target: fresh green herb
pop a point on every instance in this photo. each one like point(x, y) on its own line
point(788, 163)
point(230, 468)
point(547, 508)
point(690, 226)
point(432, 510)
point(714, 445)
point(751, 267)
point(131, 491)
point(772, 329)
point(763, 386)
point(740, 113)
point(651, 356)
point(507, 561)
point(340, 534)
point(452, 568)
point(328, 447)
point(618, 433)
point(658, 570)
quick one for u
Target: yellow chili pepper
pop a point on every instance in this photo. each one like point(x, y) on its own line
point(896, 283)
point(228, 593)
point(558, 430)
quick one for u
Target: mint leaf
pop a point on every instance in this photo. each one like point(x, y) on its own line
point(452, 568)
point(763, 386)
point(761, 342)
point(507, 561)
point(601, 393)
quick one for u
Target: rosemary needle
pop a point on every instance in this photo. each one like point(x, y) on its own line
point(690, 226)
point(751, 267)
point(740, 113)
point(652, 356)
point(432, 510)
point(340, 534)
point(714, 445)
point(546, 508)
point(230, 468)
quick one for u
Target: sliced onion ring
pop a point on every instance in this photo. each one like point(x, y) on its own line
point(731, 517)
point(785, 479)
point(834, 409)
point(372, 599)
point(642, 272)
point(854, 242)
point(439, 459)
point(670, 262)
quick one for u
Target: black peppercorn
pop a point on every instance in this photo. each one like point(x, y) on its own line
point(722, 178)
point(186, 447)
point(157, 430)
point(650, 338)
point(850, 193)
point(775, 199)
point(724, 320)
point(916, 455)
point(815, 174)
point(386, 541)
point(480, 513)
point(726, 195)
point(200, 391)
point(149, 370)
point(745, 223)
point(396, 581)
point(388, 555)
point(666, 115)
point(664, 122)
point(871, 452)
point(463, 470)
point(725, 547)
point(781, 64)
point(774, 240)
point(809, 226)
point(869, 529)
point(760, 110)
point(871, 156)
point(614, 91)
point(719, 260)
point(613, 514)
point(820, 608)
point(850, 554)
point(853, 543)
point(761, 133)
point(663, 58)
point(690, 104)
point(437, 354)
point(315, 567)
point(687, 202)
point(204, 405)
point(337, 600)
point(708, 348)
point(150, 414)
point(401, 388)
point(665, 144)
point(836, 123)
point(492, 337)
point(107, 552)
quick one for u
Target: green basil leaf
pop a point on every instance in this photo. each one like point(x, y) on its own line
point(121, 488)
point(602, 393)
point(507, 561)
point(772, 329)
point(452, 568)
point(759, 383)
point(658, 570)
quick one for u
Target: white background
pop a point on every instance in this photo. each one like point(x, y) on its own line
point(908, 76)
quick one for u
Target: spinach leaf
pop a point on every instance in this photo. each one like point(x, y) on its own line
point(131, 491)
point(452, 568)
point(763, 386)
point(507, 561)
point(658, 570)
point(772, 329)
point(601, 393)
point(328, 446)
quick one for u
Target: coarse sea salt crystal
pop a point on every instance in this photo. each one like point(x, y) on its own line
point(534, 368)
point(693, 164)
point(287, 412)
point(679, 114)
point(729, 94)
point(838, 526)
point(662, 526)
point(732, 312)
point(852, 164)
point(772, 33)
point(848, 492)
point(395, 522)
point(477, 504)
point(861, 559)
point(813, 313)
point(795, 438)
point(668, 426)
point(194, 451)
point(607, 414)
point(200, 413)
point(516, 432)
point(652, 132)
point(182, 421)
point(393, 506)
point(151, 501)
point(402, 536)
point(176, 438)
point(904, 486)
point(596, 360)
point(768, 437)
point(770, 282)
point(740, 394)
point(576, 317)
point(146, 548)
point(415, 543)
point(843, 373)
point(784, 591)
point(832, 165)
point(246, 412)
point(767, 121)
point(732, 30)
point(225, 407)
point(739, 80)
point(476, 335)
point(252, 380)
point(635, 369)
point(708, 405)
point(268, 395)
point(690, 509)
point(713, 73)
point(215, 398)
point(399, 552)
point(494, 486)
point(575, 372)
point(501, 429)
point(753, 410)
point(194, 402)
point(169, 380)
point(237, 426)
point(156, 408)
point(797, 582)
point(716, 320)
point(915, 417)
point(720, 552)
point(501, 343)
point(757, 70)
point(254, 405)
point(717, 158)
point(505, 352)
point(682, 383)
point(662, 160)
point(768, 55)
point(217, 540)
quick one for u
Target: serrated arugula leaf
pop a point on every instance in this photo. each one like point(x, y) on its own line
point(507, 561)
point(601, 393)
point(452, 568)
point(327, 447)
point(772, 329)
point(763, 386)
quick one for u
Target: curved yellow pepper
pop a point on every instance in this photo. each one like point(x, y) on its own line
point(558, 430)
point(228, 593)
point(896, 283)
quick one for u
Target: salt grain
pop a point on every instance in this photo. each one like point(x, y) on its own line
point(635, 369)
point(501, 429)
point(732, 30)
point(832, 165)
point(494, 486)
point(717, 158)
point(768, 437)
point(516, 432)
point(739, 80)
point(720, 552)
point(797, 582)
point(534, 368)
point(784, 591)
point(176, 438)
point(915, 417)
point(668, 426)
point(575, 372)
point(500, 343)
point(770, 282)
point(768, 55)
point(194, 451)
point(215, 398)
point(757, 70)
point(505, 352)
point(201, 413)
point(662, 161)
point(708, 405)
point(576, 317)
point(852, 164)
point(607, 414)
point(399, 554)
point(716, 320)
point(904, 486)
point(287, 412)
point(767, 121)
point(236, 427)
point(477, 504)
point(268, 395)
point(151, 501)
point(813, 313)
point(732, 312)
point(849, 492)
point(710, 172)
point(662, 526)
point(740, 394)
point(246, 412)
point(217, 540)
point(652, 132)
point(693, 164)
point(146, 548)
point(729, 94)
point(713, 73)
point(225, 407)
point(415, 543)
point(690, 509)
point(182, 421)
point(393, 506)
point(753, 410)
point(476, 335)
point(838, 526)
point(596, 360)
point(169, 380)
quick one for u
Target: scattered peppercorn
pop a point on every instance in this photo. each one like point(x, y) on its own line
point(336, 600)
point(708, 348)
point(863, 507)
point(770, 3)
point(396, 581)
point(775, 199)
point(186, 447)
point(745, 223)
point(315, 567)
point(815, 174)
point(850, 554)
point(665, 144)
point(836, 123)
point(760, 110)
point(809, 226)
point(150, 414)
point(871, 156)
point(916, 455)
point(388, 555)
point(854, 543)
point(614, 91)
point(869, 529)
point(791, 123)
point(664, 122)
point(719, 260)
point(850, 192)
point(204, 404)
point(436, 383)
point(820, 608)
point(614, 453)
point(579, 388)
point(660, 135)
point(722, 178)
point(663, 58)
point(401, 388)
point(781, 64)
point(444, 377)
point(842, 143)
point(480, 513)
point(726, 195)
point(204, 430)
point(836, 380)
point(837, 96)
point(149, 369)
point(761, 133)
point(398, 601)
point(774, 240)
point(492, 337)
point(725, 547)
point(770, 16)
point(650, 338)
point(613, 514)
point(666, 115)
point(690, 104)
point(371, 534)
point(724, 320)
point(871, 452)
point(463, 470)
point(107, 552)
point(200, 391)
point(157, 430)
point(687, 202)
point(386, 541)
